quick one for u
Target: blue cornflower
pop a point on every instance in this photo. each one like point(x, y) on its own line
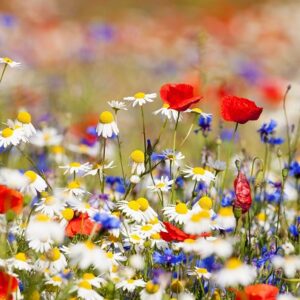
point(267, 132)
point(107, 221)
point(265, 256)
point(204, 124)
point(293, 230)
point(227, 199)
point(207, 263)
point(295, 169)
point(168, 257)
point(179, 182)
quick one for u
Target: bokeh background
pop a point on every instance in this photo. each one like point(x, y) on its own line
point(76, 55)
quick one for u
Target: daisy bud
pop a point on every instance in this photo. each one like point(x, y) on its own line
point(285, 173)
point(177, 286)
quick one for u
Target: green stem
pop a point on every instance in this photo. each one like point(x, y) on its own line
point(3, 71)
point(144, 130)
point(287, 124)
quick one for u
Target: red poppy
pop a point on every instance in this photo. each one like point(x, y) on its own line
point(258, 292)
point(174, 234)
point(179, 96)
point(82, 224)
point(8, 285)
point(239, 110)
point(10, 200)
point(242, 190)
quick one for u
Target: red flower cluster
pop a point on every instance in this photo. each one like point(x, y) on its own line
point(179, 96)
point(82, 224)
point(175, 234)
point(10, 200)
point(8, 285)
point(258, 292)
point(242, 190)
point(239, 110)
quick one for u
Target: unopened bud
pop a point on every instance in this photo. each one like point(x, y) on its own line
point(237, 211)
point(285, 173)
point(10, 215)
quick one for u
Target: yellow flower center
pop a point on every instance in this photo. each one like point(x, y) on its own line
point(7, 132)
point(88, 276)
point(261, 217)
point(160, 185)
point(109, 255)
point(201, 215)
point(233, 263)
point(42, 218)
point(144, 204)
point(181, 208)
point(68, 214)
point(155, 236)
point(87, 205)
point(73, 185)
point(20, 256)
point(56, 279)
point(89, 245)
point(7, 60)
point(197, 110)
point(55, 254)
point(106, 117)
point(198, 171)
point(137, 156)
point(134, 205)
point(49, 200)
point(57, 149)
point(189, 241)
point(32, 176)
point(205, 202)
point(83, 148)
point(85, 285)
point(115, 268)
point(135, 237)
point(130, 281)
point(146, 227)
point(154, 221)
point(166, 105)
point(139, 95)
point(151, 288)
point(74, 164)
point(226, 211)
point(24, 117)
point(201, 270)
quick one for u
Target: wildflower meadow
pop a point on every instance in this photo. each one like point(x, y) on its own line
point(158, 198)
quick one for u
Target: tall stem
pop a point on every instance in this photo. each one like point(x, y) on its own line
point(287, 124)
point(3, 71)
point(144, 130)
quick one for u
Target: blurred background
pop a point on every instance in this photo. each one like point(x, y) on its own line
point(76, 55)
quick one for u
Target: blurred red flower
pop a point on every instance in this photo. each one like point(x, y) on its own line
point(10, 200)
point(239, 110)
point(242, 191)
point(179, 96)
point(8, 285)
point(174, 234)
point(258, 292)
point(82, 224)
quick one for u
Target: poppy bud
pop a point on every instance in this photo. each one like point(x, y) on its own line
point(242, 190)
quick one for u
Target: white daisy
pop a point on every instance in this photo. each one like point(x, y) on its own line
point(95, 281)
point(225, 218)
point(141, 98)
point(289, 264)
point(50, 205)
point(148, 212)
point(204, 203)
point(86, 254)
point(74, 189)
point(85, 291)
point(235, 273)
point(107, 127)
point(163, 184)
point(20, 262)
point(99, 169)
point(201, 273)
point(131, 209)
point(34, 183)
point(170, 114)
point(76, 167)
point(117, 105)
point(198, 111)
point(55, 281)
point(198, 223)
point(8, 61)
point(145, 230)
point(48, 136)
point(24, 119)
point(81, 206)
point(42, 233)
point(130, 284)
point(11, 137)
point(198, 174)
point(12, 178)
point(138, 162)
point(92, 151)
point(178, 213)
